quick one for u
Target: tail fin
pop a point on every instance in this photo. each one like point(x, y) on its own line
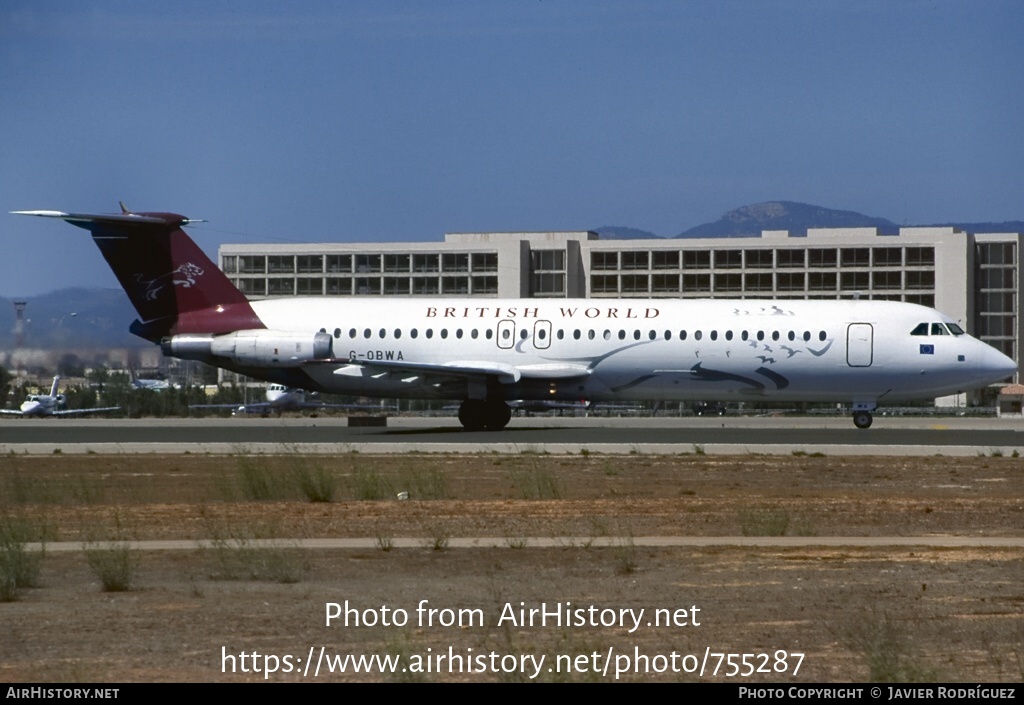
point(173, 285)
point(55, 386)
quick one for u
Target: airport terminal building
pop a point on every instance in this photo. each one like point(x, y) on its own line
point(974, 278)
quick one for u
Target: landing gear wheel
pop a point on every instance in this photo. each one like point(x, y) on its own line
point(497, 415)
point(472, 413)
point(479, 415)
point(862, 419)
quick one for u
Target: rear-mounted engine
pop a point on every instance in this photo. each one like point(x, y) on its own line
point(259, 348)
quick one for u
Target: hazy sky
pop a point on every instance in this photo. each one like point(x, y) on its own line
point(357, 121)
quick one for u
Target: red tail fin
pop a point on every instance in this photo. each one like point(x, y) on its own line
point(173, 285)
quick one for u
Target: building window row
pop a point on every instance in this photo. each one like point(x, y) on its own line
point(760, 282)
point(763, 258)
point(484, 285)
point(401, 263)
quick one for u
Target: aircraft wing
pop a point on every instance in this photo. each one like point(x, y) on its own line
point(82, 412)
point(463, 370)
point(10, 412)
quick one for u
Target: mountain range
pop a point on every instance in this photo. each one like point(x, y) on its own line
point(749, 221)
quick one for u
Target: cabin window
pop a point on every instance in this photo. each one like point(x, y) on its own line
point(591, 334)
point(337, 332)
point(523, 334)
point(352, 333)
point(474, 333)
point(822, 336)
point(398, 333)
point(668, 335)
point(636, 335)
point(744, 335)
point(652, 335)
point(414, 333)
point(383, 333)
point(807, 336)
point(444, 333)
point(560, 334)
point(622, 335)
point(775, 335)
point(714, 335)
point(728, 335)
point(792, 336)
point(576, 334)
point(367, 333)
point(458, 333)
point(430, 332)
point(489, 334)
point(697, 335)
point(760, 335)
point(682, 335)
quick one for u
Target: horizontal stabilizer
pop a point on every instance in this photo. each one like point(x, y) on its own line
point(112, 218)
point(128, 219)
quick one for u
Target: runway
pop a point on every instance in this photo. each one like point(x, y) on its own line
point(726, 435)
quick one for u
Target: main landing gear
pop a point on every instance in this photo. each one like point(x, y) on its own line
point(862, 414)
point(481, 415)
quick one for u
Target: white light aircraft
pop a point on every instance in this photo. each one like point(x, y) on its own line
point(483, 352)
point(51, 405)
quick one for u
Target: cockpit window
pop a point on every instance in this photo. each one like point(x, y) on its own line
point(955, 329)
point(922, 329)
point(939, 329)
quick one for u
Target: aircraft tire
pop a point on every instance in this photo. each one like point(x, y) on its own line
point(497, 415)
point(473, 414)
point(862, 419)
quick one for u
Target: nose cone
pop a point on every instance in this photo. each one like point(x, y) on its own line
point(31, 408)
point(997, 366)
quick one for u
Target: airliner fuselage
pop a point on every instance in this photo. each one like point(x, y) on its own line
point(636, 349)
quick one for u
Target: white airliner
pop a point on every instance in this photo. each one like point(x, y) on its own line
point(51, 405)
point(483, 352)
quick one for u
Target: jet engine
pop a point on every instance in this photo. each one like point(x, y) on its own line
point(252, 348)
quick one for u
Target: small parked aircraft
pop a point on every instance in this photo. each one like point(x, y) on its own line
point(51, 405)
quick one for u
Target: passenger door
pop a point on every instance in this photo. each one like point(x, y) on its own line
point(859, 345)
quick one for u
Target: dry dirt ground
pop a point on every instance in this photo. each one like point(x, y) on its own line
point(808, 614)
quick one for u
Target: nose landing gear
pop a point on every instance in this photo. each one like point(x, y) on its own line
point(862, 419)
point(862, 414)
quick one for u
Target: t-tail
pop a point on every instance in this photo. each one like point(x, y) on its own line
point(186, 304)
point(173, 285)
